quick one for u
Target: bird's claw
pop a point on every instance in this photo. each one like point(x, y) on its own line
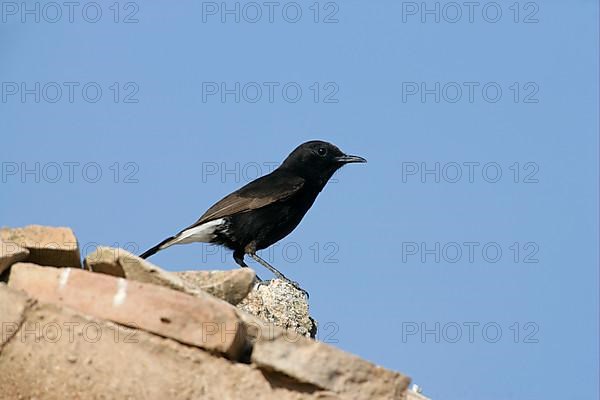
point(262, 282)
point(297, 286)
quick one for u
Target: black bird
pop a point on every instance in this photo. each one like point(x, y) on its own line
point(267, 209)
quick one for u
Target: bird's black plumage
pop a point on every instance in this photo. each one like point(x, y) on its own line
point(267, 209)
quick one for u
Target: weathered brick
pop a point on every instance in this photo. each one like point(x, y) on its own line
point(326, 367)
point(121, 263)
point(201, 320)
point(231, 286)
point(61, 354)
point(12, 308)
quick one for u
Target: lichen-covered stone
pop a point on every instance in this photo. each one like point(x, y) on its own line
point(281, 304)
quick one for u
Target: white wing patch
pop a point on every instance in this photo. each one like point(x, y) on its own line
point(201, 233)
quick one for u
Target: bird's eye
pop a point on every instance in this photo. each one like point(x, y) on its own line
point(322, 151)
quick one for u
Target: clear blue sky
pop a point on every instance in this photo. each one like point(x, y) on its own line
point(521, 325)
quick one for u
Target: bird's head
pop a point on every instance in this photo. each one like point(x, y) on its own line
point(318, 160)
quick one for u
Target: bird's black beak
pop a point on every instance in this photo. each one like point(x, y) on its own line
point(346, 159)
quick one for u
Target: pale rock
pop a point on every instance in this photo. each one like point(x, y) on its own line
point(52, 246)
point(232, 286)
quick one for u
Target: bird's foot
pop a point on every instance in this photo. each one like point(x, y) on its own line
point(263, 283)
point(297, 286)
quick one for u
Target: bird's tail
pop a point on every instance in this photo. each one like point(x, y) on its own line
point(156, 248)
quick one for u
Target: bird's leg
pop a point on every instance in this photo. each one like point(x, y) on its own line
point(277, 273)
point(268, 266)
point(238, 256)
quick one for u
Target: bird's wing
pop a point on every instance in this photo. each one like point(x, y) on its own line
point(259, 193)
